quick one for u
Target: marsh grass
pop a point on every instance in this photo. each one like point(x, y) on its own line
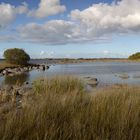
point(60, 109)
point(4, 65)
point(59, 85)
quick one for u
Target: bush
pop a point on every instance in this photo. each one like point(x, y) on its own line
point(135, 56)
point(16, 56)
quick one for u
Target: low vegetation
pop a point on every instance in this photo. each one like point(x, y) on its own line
point(61, 109)
point(135, 56)
point(4, 65)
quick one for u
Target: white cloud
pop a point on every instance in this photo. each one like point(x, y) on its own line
point(47, 54)
point(55, 32)
point(8, 13)
point(7, 38)
point(100, 22)
point(102, 19)
point(1, 54)
point(47, 8)
point(106, 52)
point(22, 8)
point(52, 32)
point(42, 53)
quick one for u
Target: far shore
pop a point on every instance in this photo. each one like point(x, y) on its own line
point(80, 60)
point(4, 65)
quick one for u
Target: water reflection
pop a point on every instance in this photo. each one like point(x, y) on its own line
point(16, 79)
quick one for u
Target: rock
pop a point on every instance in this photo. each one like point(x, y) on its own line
point(47, 67)
point(136, 76)
point(94, 79)
point(35, 68)
point(11, 70)
point(5, 72)
point(87, 77)
point(26, 83)
point(26, 69)
point(17, 70)
point(22, 70)
point(92, 82)
point(30, 68)
point(42, 67)
point(124, 76)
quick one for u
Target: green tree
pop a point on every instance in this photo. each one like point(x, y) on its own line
point(135, 56)
point(16, 56)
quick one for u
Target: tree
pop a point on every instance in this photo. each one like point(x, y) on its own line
point(16, 56)
point(135, 56)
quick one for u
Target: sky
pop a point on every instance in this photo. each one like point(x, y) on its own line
point(71, 28)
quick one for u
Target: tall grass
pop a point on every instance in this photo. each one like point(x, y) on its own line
point(60, 109)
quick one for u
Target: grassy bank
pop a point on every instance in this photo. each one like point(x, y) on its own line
point(4, 65)
point(60, 109)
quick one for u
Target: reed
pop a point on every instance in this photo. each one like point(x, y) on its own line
point(60, 109)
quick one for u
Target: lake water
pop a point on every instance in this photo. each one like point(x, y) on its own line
point(106, 72)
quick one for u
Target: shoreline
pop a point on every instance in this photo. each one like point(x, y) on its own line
point(4, 65)
point(13, 69)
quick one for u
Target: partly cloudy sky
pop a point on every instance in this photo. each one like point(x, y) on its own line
point(71, 28)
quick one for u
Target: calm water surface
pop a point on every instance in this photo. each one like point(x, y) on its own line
point(106, 72)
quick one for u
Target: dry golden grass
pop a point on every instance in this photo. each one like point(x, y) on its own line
point(4, 65)
point(60, 109)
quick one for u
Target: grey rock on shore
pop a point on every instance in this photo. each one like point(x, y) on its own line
point(124, 76)
point(92, 81)
point(20, 70)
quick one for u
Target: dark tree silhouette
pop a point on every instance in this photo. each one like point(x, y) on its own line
point(16, 56)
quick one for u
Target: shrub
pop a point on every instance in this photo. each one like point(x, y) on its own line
point(16, 56)
point(135, 56)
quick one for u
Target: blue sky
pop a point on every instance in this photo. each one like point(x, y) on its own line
point(71, 28)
